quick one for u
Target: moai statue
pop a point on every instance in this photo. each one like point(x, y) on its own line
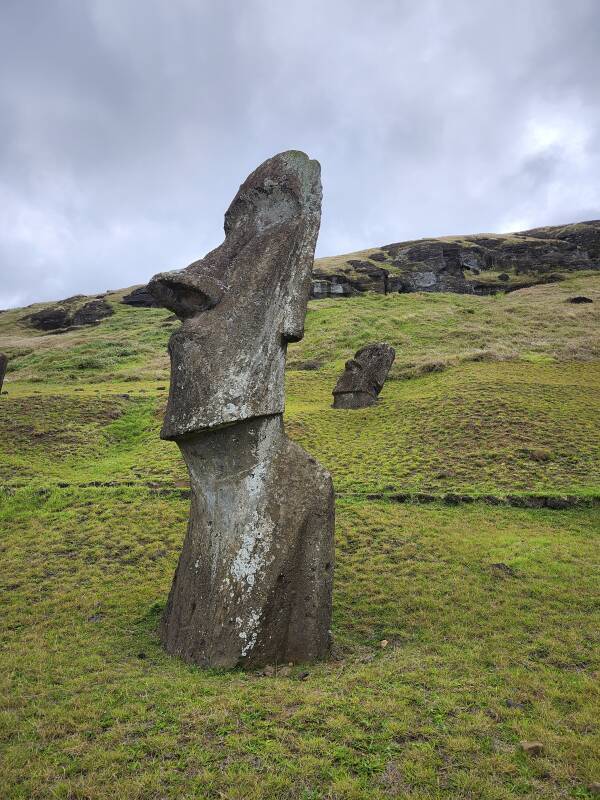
point(254, 580)
point(362, 380)
point(3, 363)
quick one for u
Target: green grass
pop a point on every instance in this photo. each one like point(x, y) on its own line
point(491, 614)
point(426, 329)
point(92, 707)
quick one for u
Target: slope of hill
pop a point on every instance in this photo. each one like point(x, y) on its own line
point(479, 264)
point(486, 603)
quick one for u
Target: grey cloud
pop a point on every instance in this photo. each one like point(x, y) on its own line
point(126, 126)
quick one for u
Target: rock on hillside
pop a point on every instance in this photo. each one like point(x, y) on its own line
point(70, 313)
point(477, 264)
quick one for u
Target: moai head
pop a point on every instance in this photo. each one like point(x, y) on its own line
point(362, 380)
point(242, 303)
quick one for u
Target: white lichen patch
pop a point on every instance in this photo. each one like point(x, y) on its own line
point(249, 632)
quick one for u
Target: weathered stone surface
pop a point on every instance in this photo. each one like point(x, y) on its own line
point(141, 298)
point(3, 363)
point(439, 265)
point(370, 276)
point(228, 363)
point(92, 312)
point(69, 314)
point(253, 584)
point(332, 286)
point(429, 266)
point(364, 376)
point(50, 319)
point(532, 748)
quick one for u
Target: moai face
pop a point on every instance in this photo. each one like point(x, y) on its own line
point(243, 302)
point(363, 378)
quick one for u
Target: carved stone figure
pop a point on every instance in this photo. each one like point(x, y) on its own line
point(362, 380)
point(254, 580)
point(3, 363)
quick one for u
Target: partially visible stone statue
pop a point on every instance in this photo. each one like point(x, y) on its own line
point(3, 363)
point(362, 380)
point(254, 580)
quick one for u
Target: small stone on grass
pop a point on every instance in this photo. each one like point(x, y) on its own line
point(284, 672)
point(532, 748)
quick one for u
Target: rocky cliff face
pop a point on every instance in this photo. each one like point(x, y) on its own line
point(478, 264)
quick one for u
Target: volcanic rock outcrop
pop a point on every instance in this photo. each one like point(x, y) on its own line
point(70, 313)
point(465, 264)
point(362, 380)
point(254, 579)
point(92, 312)
point(3, 363)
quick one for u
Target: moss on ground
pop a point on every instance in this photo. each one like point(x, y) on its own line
point(490, 614)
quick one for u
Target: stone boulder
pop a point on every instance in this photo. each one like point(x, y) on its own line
point(362, 380)
point(50, 319)
point(70, 313)
point(92, 312)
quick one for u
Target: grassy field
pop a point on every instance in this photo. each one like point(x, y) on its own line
point(491, 613)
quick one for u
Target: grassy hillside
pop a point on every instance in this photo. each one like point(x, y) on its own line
point(490, 612)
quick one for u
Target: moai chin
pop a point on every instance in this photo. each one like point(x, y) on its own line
point(254, 580)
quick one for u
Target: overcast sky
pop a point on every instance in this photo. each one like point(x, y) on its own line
point(126, 126)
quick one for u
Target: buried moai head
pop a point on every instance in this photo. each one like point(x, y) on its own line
point(3, 363)
point(243, 302)
point(364, 376)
